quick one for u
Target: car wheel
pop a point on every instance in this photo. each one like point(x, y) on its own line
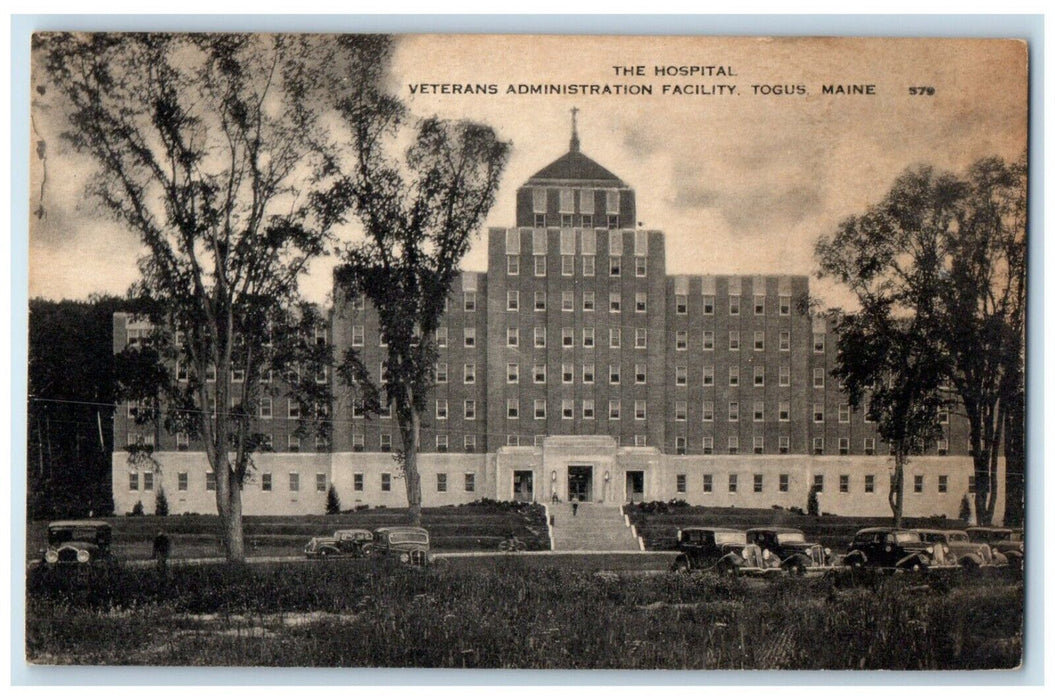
point(969, 566)
point(795, 569)
point(680, 565)
point(726, 568)
point(367, 550)
point(322, 554)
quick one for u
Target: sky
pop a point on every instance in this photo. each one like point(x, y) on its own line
point(740, 182)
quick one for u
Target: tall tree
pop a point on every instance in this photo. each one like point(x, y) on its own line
point(204, 147)
point(984, 330)
point(890, 259)
point(419, 214)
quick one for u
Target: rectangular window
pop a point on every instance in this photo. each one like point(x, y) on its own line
point(133, 481)
point(943, 484)
point(708, 448)
point(708, 482)
point(760, 305)
point(680, 483)
point(708, 304)
point(357, 481)
point(588, 373)
point(441, 372)
point(441, 336)
point(386, 442)
point(708, 340)
point(681, 409)
point(386, 481)
point(265, 407)
point(613, 410)
point(943, 447)
point(614, 337)
point(785, 376)
point(567, 337)
point(844, 483)
point(681, 304)
point(679, 445)
point(469, 301)
point(760, 340)
point(468, 372)
point(441, 409)
point(589, 262)
point(320, 482)
point(587, 338)
point(641, 302)
point(734, 376)
point(681, 340)
point(760, 375)
point(818, 413)
point(734, 411)
point(615, 266)
point(783, 444)
point(539, 374)
point(818, 445)
point(210, 481)
point(470, 337)
point(512, 265)
point(785, 305)
point(970, 483)
point(587, 409)
point(512, 373)
point(708, 411)
point(540, 220)
point(640, 410)
point(540, 265)
point(818, 483)
point(708, 375)
point(540, 409)
point(470, 443)
point(732, 477)
point(818, 377)
point(785, 341)
point(818, 342)
point(441, 482)
point(615, 302)
point(292, 408)
point(734, 340)
point(540, 301)
point(293, 443)
point(567, 373)
point(294, 481)
point(613, 374)
point(757, 483)
point(512, 300)
point(917, 483)
point(567, 409)
point(844, 446)
point(640, 265)
point(870, 483)
point(181, 481)
point(589, 301)
point(640, 374)
point(358, 442)
point(512, 337)
point(470, 409)
point(567, 265)
point(870, 446)
point(782, 483)
point(470, 482)
point(640, 338)
point(844, 413)
point(734, 304)
point(760, 411)
point(512, 408)
point(681, 376)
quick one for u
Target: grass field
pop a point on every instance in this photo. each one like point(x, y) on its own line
point(473, 526)
point(498, 613)
point(659, 527)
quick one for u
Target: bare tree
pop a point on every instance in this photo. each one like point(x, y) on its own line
point(203, 146)
point(419, 214)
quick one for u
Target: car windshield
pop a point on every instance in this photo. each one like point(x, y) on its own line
point(730, 538)
point(957, 537)
point(906, 537)
point(790, 537)
point(409, 537)
point(78, 534)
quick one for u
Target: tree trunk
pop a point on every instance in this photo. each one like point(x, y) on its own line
point(234, 539)
point(1015, 461)
point(896, 496)
point(410, 468)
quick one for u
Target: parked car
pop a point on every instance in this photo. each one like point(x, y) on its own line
point(896, 549)
point(79, 543)
point(969, 555)
point(408, 545)
point(724, 550)
point(1008, 541)
point(343, 543)
point(789, 547)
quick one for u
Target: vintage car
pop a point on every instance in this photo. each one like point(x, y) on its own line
point(343, 543)
point(78, 542)
point(896, 549)
point(971, 556)
point(723, 550)
point(789, 548)
point(1007, 541)
point(408, 545)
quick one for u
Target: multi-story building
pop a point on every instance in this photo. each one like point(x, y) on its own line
point(576, 366)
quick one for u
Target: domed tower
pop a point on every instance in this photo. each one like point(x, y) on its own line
point(575, 191)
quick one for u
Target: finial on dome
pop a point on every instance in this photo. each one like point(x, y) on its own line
point(574, 130)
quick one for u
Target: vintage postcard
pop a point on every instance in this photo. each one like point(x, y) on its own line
point(534, 352)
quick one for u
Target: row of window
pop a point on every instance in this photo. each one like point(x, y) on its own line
point(783, 483)
point(183, 481)
point(758, 445)
point(293, 443)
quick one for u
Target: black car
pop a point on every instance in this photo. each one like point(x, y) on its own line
point(797, 556)
point(78, 543)
point(723, 550)
point(896, 549)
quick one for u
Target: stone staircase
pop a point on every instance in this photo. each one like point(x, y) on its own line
point(595, 528)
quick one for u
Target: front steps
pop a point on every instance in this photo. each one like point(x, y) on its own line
point(595, 528)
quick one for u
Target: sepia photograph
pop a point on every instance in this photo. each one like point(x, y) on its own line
point(485, 351)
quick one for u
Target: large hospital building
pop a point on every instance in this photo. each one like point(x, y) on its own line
point(576, 366)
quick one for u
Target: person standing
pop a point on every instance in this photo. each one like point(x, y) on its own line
point(574, 505)
point(162, 549)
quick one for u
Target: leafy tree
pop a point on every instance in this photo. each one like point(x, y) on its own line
point(419, 214)
point(813, 506)
point(890, 259)
point(137, 509)
point(965, 508)
point(984, 332)
point(333, 501)
point(161, 503)
point(204, 145)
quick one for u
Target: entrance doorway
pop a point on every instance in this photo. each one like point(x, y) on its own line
point(524, 486)
point(580, 483)
point(635, 487)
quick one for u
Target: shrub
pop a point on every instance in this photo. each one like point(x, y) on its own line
point(965, 508)
point(333, 502)
point(137, 509)
point(161, 503)
point(813, 507)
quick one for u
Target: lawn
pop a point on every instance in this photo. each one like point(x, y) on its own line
point(473, 526)
point(500, 613)
point(658, 523)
